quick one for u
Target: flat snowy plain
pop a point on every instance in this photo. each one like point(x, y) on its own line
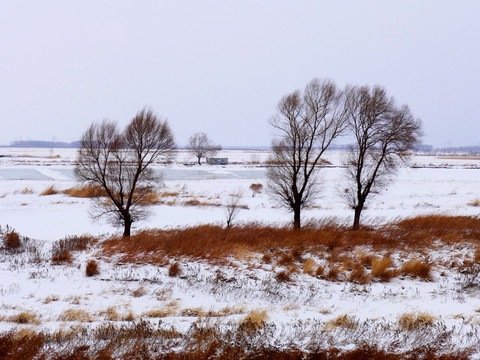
point(426, 185)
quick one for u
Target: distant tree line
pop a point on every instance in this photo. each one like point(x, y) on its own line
point(44, 144)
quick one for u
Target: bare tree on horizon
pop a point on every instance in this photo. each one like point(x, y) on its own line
point(383, 133)
point(306, 124)
point(120, 163)
point(200, 145)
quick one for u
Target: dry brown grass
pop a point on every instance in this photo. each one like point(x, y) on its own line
point(475, 203)
point(51, 190)
point(142, 341)
point(411, 321)
point(417, 269)
point(157, 313)
point(476, 255)
point(422, 231)
point(366, 259)
point(51, 298)
point(139, 292)
point(87, 191)
point(257, 318)
point(11, 240)
point(343, 321)
point(381, 269)
point(168, 194)
point(283, 276)
point(24, 318)
point(216, 243)
point(92, 268)
point(62, 249)
point(110, 314)
point(151, 198)
point(309, 267)
point(320, 271)
point(26, 191)
point(196, 202)
point(75, 315)
point(285, 259)
point(174, 270)
point(358, 275)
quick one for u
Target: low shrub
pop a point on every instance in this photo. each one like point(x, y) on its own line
point(342, 321)
point(283, 276)
point(256, 189)
point(174, 269)
point(62, 249)
point(267, 258)
point(11, 241)
point(92, 268)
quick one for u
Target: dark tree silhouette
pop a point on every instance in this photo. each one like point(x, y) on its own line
point(306, 124)
point(383, 134)
point(201, 146)
point(121, 164)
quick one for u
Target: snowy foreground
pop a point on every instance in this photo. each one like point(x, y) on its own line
point(305, 310)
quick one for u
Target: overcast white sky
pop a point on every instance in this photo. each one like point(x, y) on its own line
point(222, 66)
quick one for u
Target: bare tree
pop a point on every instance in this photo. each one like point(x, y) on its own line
point(120, 163)
point(201, 146)
point(383, 133)
point(233, 206)
point(306, 124)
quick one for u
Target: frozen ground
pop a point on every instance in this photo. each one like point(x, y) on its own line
point(30, 283)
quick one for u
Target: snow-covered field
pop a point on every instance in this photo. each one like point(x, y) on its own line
point(309, 305)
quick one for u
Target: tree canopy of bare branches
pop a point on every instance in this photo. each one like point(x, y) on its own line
point(383, 134)
point(200, 145)
point(306, 124)
point(121, 164)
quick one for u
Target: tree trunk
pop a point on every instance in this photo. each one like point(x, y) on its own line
point(199, 158)
point(356, 217)
point(127, 222)
point(296, 217)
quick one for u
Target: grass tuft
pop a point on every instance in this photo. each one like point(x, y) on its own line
point(257, 318)
point(75, 315)
point(309, 266)
point(342, 321)
point(24, 318)
point(174, 270)
point(417, 269)
point(380, 269)
point(49, 191)
point(92, 268)
point(87, 191)
point(283, 276)
point(411, 321)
